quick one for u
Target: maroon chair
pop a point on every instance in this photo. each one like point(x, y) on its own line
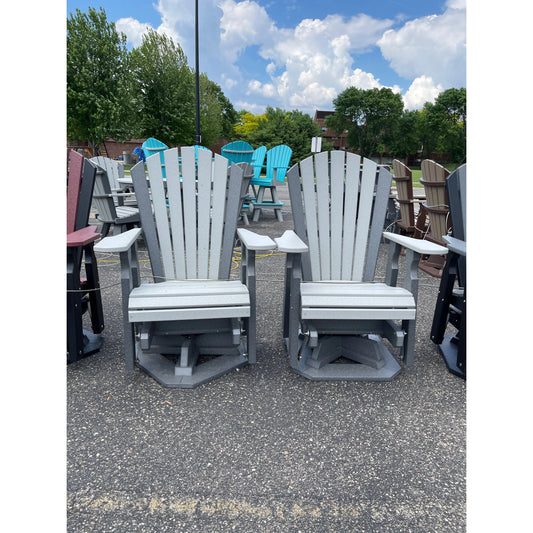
point(83, 293)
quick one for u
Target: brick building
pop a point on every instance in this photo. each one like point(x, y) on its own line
point(337, 140)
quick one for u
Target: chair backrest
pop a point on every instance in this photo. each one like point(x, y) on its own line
point(278, 159)
point(331, 195)
point(102, 199)
point(247, 175)
point(456, 188)
point(80, 182)
point(152, 146)
point(189, 220)
point(434, 181)
point(114, 171)
point(258, 159)
point(404, 187)
point(238, 152)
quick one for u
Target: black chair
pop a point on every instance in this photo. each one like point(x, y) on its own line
point(451, 300)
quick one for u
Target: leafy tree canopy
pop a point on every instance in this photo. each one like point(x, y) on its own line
point(371, 118)
point(97, 79)
point(162, 90)
point(293, 128)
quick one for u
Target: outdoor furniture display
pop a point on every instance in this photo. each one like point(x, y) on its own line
point(408, 224)
point(121, 216)
point(451, 300)
point(277, 163)
point(238, 152)
point(192, 324)
point(82, 293)
point(335, 312)
point(115, 175)
point(434, 181)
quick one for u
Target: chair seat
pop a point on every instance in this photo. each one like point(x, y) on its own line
point(189, 300)
point(125, 211)
point(347, 300)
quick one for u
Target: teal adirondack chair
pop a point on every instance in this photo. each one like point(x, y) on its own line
point(277, 164)
point(258, 158)
point(238, 152)
point(152, 146)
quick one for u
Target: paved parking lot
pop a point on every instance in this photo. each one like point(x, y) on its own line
point(262, 449)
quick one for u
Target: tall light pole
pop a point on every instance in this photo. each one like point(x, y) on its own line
point(198, 136)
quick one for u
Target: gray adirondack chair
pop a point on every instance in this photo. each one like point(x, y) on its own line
point(115, 172)
point(193, 323)
point(450, 308)
point(108, 212)
point(335, 313)
point(247, 175)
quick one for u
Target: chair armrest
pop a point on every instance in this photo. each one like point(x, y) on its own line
point(118, 243)
point(253, 241)
point(82, 237)
point(455, 245)
point(421, 246)
point(289, 242)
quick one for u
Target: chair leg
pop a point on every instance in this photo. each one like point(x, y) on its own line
point(294, 312)
point(409, 342)
point(104, 230)
point(93, 284)
point(75, 340)
point(275, 199)
point(252, 322)
point(259, 199)
point(128, 283)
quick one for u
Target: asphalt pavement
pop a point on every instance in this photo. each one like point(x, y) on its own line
point(262, 449)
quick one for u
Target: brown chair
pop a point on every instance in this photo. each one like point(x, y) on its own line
point(409, 224)
point(434, 181)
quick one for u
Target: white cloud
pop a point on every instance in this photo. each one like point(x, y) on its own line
point(243, 24)
point(313, 61)
point(308, 65)
point(422, 90)
point(133, 29)
point(255, 109)
point(264, 89)
point(433, 46)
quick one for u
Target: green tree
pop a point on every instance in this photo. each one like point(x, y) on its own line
point(371, 118)
point(407, 139)
point(98, 102)
point(217, 114)
point(293, 128)
point(426, 132)
point(448, 117)
point(162, 90)
point(246, 123)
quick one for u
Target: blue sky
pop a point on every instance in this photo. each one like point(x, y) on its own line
point(299, 54)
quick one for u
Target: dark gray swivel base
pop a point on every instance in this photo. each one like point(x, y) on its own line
point(163, 369)
point(322, 362)
point(449, 350)
point(92, 343)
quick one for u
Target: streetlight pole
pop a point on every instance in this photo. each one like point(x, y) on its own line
point(198, 136)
